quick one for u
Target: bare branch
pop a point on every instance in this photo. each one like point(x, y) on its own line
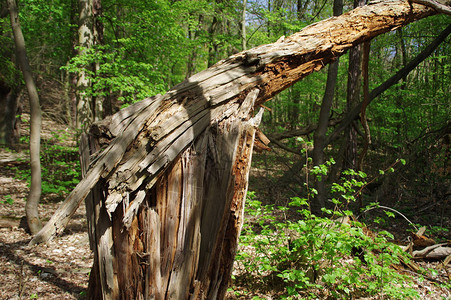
point(439, 7)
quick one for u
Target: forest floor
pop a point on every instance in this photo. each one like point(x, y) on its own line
point(60, 269)
point(56, 270)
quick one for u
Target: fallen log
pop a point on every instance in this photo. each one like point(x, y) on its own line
point(437, 251)
point(165, 196)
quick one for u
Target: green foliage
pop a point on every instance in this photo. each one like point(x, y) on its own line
point(7, 199)
point(334, 252)
point(61, 170)
point(130, 80)
point(48, 31)
point(438, 230)
point(148, 45)
point(417, 99)
point(9, 73)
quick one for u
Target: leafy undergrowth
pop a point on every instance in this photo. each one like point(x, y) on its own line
point(60, 164)
point(334, 257)
point(287, 252)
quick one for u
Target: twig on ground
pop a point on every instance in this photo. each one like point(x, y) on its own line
point(22, 281)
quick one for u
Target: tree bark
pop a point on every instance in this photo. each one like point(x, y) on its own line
point(98, 102)
point(323, 122)
point(84, 108)
point(193, 37)
point(31, 208)
point(440, 6)
point(215, 29)
point(243, 27)
point(366, 101)
point(352, 99)
point(295, 94)
point(9, 134)
point(168, 189)
point(9, 83)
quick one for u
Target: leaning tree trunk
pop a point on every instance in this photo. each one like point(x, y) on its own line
point(31, 208)
point(166, 194)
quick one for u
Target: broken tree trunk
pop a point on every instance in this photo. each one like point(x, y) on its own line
point(166, 193)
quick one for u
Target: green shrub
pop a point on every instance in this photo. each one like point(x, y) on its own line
point(7, 199)
point(60, 166)
point(334, 255)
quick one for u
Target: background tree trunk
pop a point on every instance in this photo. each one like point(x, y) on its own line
point(215, 29)
point(352, 99)
point(31, 208)
point(354, 113)
point(9, 133)
point(9, 83)
point(243, 27)
point(366, 101)
point(323, 121)
point(85, 109)
point(98, 102)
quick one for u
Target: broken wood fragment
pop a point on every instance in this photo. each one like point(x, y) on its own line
point(436, 251)
point(439, 6)
point(419, 240)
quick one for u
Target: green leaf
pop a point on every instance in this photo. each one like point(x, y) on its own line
point(389, 214)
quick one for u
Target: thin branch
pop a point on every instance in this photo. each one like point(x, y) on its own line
point(286, 148)
point(425, 276)
point(424, 252)
point(393, 210)
point(376, 177)
point(439, 7)
point(302, 131)
point(320, 10)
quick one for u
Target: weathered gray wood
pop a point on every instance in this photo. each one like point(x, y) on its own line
point(132, 210)
point(103, 165)
point(124, 117)
point(185, 218)
point(154, 286)
point(426, 251)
